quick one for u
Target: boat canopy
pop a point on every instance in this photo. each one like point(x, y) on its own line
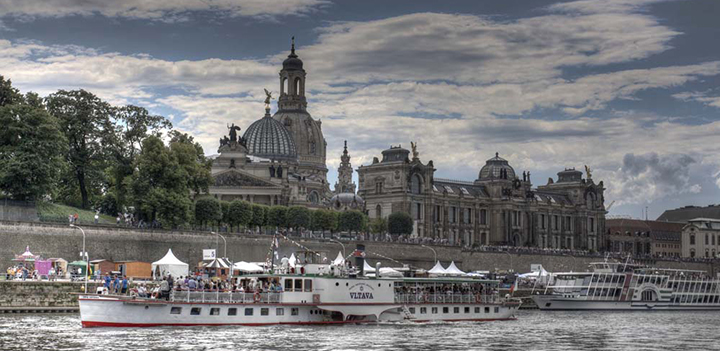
point(247, 267)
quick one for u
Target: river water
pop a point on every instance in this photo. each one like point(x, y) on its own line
point(533, 330)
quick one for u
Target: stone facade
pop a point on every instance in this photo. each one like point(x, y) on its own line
point(499, 208)
point(641, 237)
point(701, 238)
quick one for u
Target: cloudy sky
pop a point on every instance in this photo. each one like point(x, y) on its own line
point(628, 87)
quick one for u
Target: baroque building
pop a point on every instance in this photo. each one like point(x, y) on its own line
point(280, 159)
point(345, 198)
point(500, 207)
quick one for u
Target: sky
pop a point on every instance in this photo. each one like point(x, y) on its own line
point(630, 88)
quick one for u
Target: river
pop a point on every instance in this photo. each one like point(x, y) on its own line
point(533, 330)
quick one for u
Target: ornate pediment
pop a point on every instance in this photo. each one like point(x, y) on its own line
point(237, 179)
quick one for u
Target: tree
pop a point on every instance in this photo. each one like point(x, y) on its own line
point(207, 209)
point(324, 220)
point(400, 223)
point(298, 217)
point(379, 225)
point(277, 216)
point(259, 218)
point(240, 213)
point(351, 221)
point(192, 158)
point(225, 208)
point(31, 149)
point(86, 122)
point(9, 95)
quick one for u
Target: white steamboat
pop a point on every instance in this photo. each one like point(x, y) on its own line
point(623, 286)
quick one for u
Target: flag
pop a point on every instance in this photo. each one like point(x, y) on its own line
point(512, 287)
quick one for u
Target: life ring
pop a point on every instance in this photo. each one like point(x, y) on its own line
point(256, 297)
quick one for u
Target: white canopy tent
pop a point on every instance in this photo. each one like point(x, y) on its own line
point(169, 265)
point(389, 272)
point(453, 270)
point(247, 267)
point(340, 260)
point(292, 261)
point(217, 263)
point(437, 269)
point(367, 268)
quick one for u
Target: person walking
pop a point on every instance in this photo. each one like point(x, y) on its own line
point(124, 285)
point(75, 218)
point(97, 218)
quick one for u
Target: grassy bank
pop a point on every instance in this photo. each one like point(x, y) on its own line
point(50, 212)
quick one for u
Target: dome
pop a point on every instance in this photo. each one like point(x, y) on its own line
point(347, 201)
point(395, 153)
point(292, 62)
point(496, 168)
point(268, 138)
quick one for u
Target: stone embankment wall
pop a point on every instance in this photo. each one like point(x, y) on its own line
point(42, 296)
point(17, 211)
point(119, 244)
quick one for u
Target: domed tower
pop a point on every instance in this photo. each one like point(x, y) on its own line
point(345, 183)
point(292, 113)
point(268, 138)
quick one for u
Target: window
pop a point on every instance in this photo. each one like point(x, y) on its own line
point(692, 239)
point(477, 309)
point(434, 310)
point(298, 284)
point(378, 211)
point(446, 309)
point(423, 310)
point(176, 310)
point(264, 311)
point(497, 309)
point(542, 221)
point(418, 211)
point(288, 285)
point(456, 309)
point(195, 311)
point(416, 184)
point(294, 311)
point(412, 310)
point(487, 309)
point(215, 311)
point(483, 217)
point(707, 240)
point(232, 311)
point(557, 222)
point(248, 311)
point(568, 223)
point(279, 311)
point(467, 309)
point(308, 285)
point(592, 225)
point(378, 188)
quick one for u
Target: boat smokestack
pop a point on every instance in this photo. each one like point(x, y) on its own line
point(360, 259)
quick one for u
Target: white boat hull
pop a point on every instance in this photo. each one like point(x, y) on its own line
point(551, 302)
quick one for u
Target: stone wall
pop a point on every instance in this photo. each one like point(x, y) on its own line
point(17, 211)
point(117, 244)
point(40, 294)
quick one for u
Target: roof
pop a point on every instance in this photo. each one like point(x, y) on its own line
point(687, 213)
point(269, 138)
point(493, 169)
point(665, 231)
point(459, 187)
point(553, 198)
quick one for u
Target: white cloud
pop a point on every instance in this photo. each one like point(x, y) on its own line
point(702, 97)
point(165, 10)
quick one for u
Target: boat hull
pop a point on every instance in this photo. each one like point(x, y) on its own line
point(557, 303)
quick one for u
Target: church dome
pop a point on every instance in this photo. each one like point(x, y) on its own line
point(347, 201)
point(268, 138)
point(496, 168)
point(292, 62)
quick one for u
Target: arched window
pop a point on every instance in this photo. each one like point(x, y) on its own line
point(692, 239)
point(416, 184)
point(314, 198)
point(692, 252)
point(707, 240)
point(284, 86)
point(297, 89)
point(378, 211)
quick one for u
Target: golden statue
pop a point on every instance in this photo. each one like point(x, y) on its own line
point(268, 97)
point(588, 172)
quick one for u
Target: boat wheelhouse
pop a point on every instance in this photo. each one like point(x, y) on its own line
point(626, 286)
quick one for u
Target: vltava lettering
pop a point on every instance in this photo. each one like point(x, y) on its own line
point(361, 295)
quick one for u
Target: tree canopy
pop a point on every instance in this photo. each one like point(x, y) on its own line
point(400, 223)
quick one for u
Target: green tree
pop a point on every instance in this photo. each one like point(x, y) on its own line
point(225, 208)
point(277, 216)
point(379, 225)
point(86, 122)
point(259, 218)
point(159, 185)
point(351, 221)
point(240, 213)
point(31, 149)
point(9, 95)
point(400, 223)
point(192, 158)
point(298, 217)
point(324, 220)
point(207, 210)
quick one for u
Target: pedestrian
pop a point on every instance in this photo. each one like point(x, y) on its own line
point(124, 285)
point(75, 218)
point(116, 284)
point(70, 218)
point(106, 284)
point(97, 218)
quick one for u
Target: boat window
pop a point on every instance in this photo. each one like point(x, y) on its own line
point(294, 311)
point(487, 309)
point(477, 309)
point(298, 284)
point(279, 311)
point(497, 309)
point(308, 285)
point(176, 310)
point(456, 309)
point(288, 285)
point(423, 310)
point(215, 311)
point(248, 311)
point(446, 310)
point(467, 309)
point(434, 310)
point(232, 311)
point(264, 311)
point(195, 311)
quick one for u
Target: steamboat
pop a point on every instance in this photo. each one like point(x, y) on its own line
point(313, 294)
point(627, 286)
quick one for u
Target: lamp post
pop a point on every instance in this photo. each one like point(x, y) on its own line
point(341, 244)
point(434, 252)
point(85, 256)
point(511, 265)
point(225, 249)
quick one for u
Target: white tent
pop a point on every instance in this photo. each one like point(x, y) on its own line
point(292, 261)
point(437, 269)
point(247, 267)
point(340, 260)
point(169, 265)
point(453, 270)
point(217, 263)
point(389, 272)
point(367, 268)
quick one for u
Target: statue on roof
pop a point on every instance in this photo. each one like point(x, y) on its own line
point(268, 97)
point(415, 153)
point(588, 172)
point(233, 132)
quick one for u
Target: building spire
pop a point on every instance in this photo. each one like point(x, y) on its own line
point(292, 48)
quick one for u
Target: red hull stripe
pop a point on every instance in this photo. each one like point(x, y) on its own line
point(89, 324)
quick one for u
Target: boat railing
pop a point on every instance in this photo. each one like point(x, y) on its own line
point(225, 297)
point(446, 298)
